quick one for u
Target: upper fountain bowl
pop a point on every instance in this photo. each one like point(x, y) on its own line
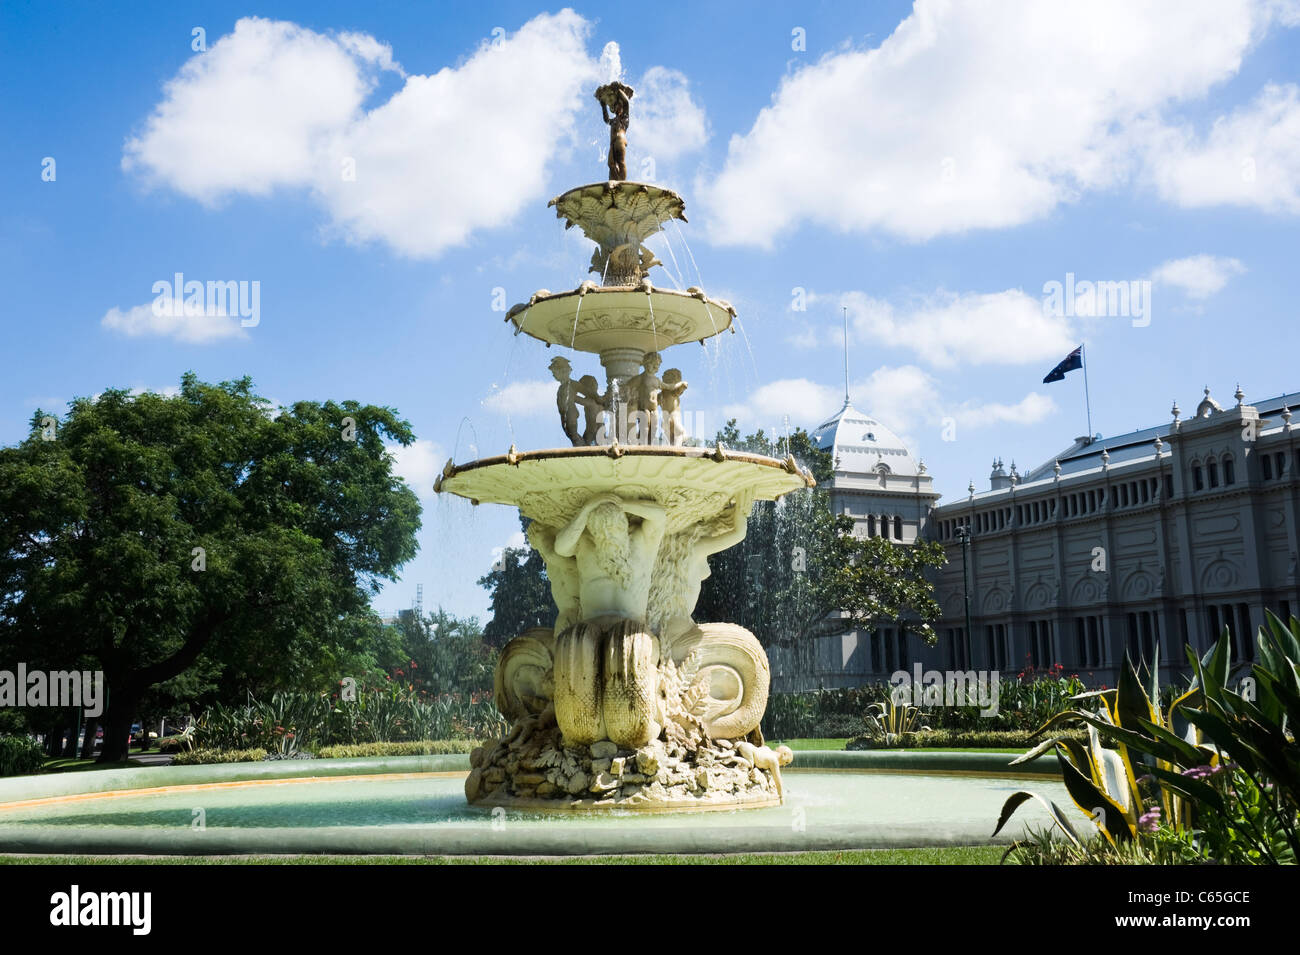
point(617, 213)
point(594, 319)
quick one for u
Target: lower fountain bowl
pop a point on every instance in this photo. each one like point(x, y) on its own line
point(693, 484)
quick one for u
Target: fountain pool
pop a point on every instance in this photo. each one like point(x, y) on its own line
point(416, 805)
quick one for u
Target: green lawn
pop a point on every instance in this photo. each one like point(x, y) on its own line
point(960, 855)
point(798, 744)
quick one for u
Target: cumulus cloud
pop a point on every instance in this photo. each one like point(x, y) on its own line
point(972, 328)
point(182, 321)
point(524, 399)
point(978, 115)
point(903, 398)
point(669, 122)
point(274, 104)
point(1199, 276)
point(418, 464)
point(254, 112)
point(1248, 158)
point(1030, 409)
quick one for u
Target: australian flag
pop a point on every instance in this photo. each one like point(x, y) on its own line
point(1069, 363)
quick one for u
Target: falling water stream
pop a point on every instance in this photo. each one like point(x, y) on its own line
point(576, 312)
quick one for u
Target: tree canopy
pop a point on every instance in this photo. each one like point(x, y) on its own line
point(156, 536)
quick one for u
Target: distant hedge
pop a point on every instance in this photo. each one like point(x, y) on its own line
point(428, 747)
point(199, 757)
point(965, 738)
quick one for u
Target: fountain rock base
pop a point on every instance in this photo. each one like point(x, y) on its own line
point(608, 714)
point(532, 768)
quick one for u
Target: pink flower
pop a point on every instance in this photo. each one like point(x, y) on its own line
point(1149, 821)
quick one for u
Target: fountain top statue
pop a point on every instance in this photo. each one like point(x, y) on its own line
point(615, 105)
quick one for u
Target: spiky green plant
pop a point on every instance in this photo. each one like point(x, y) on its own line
point(1233, 782)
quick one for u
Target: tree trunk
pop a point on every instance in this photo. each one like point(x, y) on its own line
point(117, 727)
point(88, 738)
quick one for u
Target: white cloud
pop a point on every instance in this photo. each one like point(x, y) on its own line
point(252, 113)
point(1199, 276)
point(1248, 158)
point(1030, 409)
point(524, 399)
point(980, 115)
point(947, 329)
point(905, 399)
point(418, 464)
point(165, 317)
point(666, 120)
point(274, 104)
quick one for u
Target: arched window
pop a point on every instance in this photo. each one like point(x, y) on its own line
point(1198, 483)
point(1229, 470)
point(1212, 472)
point(871, 525)
point(898, 528)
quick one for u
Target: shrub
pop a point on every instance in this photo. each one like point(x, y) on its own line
point(198, 757)
point(837, 726)
point(20, 756)
point(1000, 739)
point(428, 747)
point(292, 722)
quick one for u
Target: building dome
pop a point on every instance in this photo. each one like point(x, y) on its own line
point(860, 444)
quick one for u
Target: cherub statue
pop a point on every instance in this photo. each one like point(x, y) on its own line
point(670, 400)
point(615, 105)
point(643, 396)
point(764, 757)
point(593, 406)
point(566, 398)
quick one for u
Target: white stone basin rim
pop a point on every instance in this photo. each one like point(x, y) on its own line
point(621, 317)
point(693, 484)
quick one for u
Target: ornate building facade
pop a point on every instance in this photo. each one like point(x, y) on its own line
point(1157, 538)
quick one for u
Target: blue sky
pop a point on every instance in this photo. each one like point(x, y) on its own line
point(931, 168)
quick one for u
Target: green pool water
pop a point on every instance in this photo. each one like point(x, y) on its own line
point(429, 815)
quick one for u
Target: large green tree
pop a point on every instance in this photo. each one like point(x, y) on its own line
point(154, 536)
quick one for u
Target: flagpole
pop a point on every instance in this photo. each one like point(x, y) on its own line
point(1083, 354)
point(846, 355)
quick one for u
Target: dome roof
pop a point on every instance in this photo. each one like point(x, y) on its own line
point(861, 444)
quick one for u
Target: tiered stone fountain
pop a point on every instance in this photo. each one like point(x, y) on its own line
point(627, 702)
